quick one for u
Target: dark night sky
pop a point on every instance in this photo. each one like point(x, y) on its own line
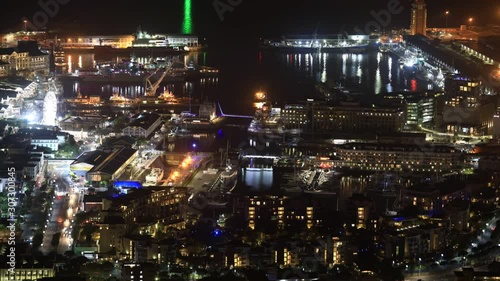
point(251, 18)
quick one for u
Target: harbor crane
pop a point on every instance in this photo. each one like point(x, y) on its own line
point(151, 88)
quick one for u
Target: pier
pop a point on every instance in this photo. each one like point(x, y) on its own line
point(445, 56)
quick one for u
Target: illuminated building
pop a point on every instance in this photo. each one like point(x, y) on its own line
point(103, 165)
point(486, 49)
point(79, 127)
point(433, 198)
point(318, 117)
point(153, 204)
point(153, 209)
point(286, 211)
point(359, 211)
point(339, 251)
point(408, 238)
point(26, 273)
point(421, 108)
point(26, 56)
point(144, 39)
point(49, 141)
point(143, 125)
point(326, 41)
point(467, 110)
point(287, 255)
point(111, 229)
point(461, 91)
point(4, 68)
point(418, 18)
point(141, 39)
point(397, 157)
point(88, 42)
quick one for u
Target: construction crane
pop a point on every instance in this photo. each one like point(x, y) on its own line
point(150, 87)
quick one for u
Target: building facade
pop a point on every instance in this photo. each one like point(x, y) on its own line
point(21, 273)
point(350, 118)
point(88, 42)
point(397, 157)
point(467, 109)
point(25, 57)
point(143, 125)
point(421, 108)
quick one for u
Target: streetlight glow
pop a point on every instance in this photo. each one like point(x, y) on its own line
point(447, 13)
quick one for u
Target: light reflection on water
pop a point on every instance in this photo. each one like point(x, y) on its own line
point(195, 89)
point(378, 72)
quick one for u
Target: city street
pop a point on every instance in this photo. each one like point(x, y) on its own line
point(446, 272)
point(63, 208)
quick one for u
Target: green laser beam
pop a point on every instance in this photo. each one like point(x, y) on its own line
point(187, 24)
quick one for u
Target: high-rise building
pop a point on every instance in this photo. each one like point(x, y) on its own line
point(418, 17)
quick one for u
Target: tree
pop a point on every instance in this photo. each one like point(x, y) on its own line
point(141, 142)
point(37, 240)
point(88, 230)
point(98, 271)
point(390, 273)
point(55, 239)
point(67, 150)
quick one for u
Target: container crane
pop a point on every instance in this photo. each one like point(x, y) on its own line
point(151, 88)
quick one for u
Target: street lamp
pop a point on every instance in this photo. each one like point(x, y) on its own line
point(470, 22)
point(25, 22)
point(447, 13)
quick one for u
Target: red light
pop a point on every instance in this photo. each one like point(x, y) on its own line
point(413, 85)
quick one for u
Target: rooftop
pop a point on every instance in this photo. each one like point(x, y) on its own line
point(30, 47)
point(93, 198)
point(488, 46)
point(92, 158)
point(39, 134)
point(425, 147)
point(114, 161)
point(145, 120)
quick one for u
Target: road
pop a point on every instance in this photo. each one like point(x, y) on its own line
point(445, 276)
point(61, 213)
point(446, 272)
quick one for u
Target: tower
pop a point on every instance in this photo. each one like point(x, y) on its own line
point(418, 17)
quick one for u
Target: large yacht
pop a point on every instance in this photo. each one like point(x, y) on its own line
point(121, 101)
point(59, 57)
